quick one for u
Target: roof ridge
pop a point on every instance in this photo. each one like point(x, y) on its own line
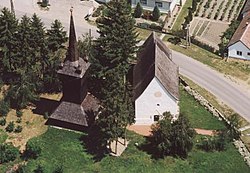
point(246, 29)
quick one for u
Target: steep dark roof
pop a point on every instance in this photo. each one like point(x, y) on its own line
point(73, 64)
point(71, 70)
point(242, 33)
point(75, 113)
point(154, 60)
point(72, 50)
point(246, 7)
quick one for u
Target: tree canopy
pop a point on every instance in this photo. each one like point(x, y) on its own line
point(173, 138)
point(29, 56)
point(112, 53)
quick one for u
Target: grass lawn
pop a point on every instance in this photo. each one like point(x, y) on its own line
point(61, 147)
point(227, 111)
point(197, 115)
point(181, 17)
point(235, 68)
point(144, 33)
point(3, 136)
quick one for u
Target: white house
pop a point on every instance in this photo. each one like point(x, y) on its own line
point(239, 45)
point(155, 82)
point(165, 6)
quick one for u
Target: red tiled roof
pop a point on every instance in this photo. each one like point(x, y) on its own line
point(242, 33)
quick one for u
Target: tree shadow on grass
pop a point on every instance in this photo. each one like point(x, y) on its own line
point(150, 148)
point(94, 144)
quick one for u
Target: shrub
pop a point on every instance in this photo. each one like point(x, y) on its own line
point(173, 138)
point(146, 14)
point(156, 14)
point(155, 27)
point(203, 45)
point(20, 169)
point(216, 143)
point(32, 150)
point(18, 129)
point(10, 127)
point(2, 121)
point(59, 169)
point(174, 40)
point(19, 120)
point(97, 12)
point(138, 10)
point(39, 169)
point(207, 144)
point(19, 113)
point(8, 153)
point(4, 108)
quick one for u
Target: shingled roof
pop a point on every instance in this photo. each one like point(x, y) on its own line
point(75, 113)
point(154, 60)
point(242, 33)
point(246, 7)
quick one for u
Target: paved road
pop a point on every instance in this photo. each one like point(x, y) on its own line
point(58, 10)
point(227, 91)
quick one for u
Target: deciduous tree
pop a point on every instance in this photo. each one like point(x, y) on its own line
point(173, 138)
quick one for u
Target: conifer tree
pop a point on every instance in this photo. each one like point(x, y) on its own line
point(24, 52)
point(138, 10)
point(56, 36)
point(156, 14)
point(39, 45)
point(8, 29)
point(113, 51)
point(84, 46)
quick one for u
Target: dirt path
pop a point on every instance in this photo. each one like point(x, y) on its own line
point(145, 130)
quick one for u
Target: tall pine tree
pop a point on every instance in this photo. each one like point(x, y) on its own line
point(113, 52)
point(8, 29)
point(56, 36)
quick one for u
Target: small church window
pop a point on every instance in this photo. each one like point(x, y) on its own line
point(156, 117)
point(248, 53)
point(158, 4)
point(144, 2)
point(239, 53)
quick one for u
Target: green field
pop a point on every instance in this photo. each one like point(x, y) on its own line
point(61, 147)
point(197, 115)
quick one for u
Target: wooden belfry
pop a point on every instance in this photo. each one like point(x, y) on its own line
point(76, 103)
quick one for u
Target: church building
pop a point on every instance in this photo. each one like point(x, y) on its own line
point(77, 106)
point(155, 82)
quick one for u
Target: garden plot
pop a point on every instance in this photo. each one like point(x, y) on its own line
point(212, 18)
point(208, 31)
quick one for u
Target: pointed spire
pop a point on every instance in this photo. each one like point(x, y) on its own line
point(12, 7)
point(72, 49)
